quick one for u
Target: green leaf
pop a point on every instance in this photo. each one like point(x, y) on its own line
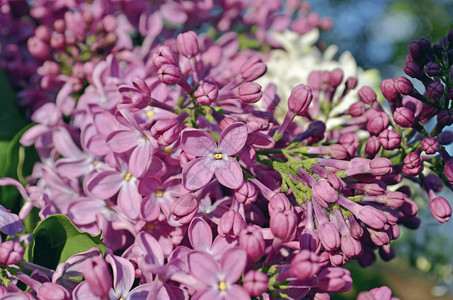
point(11, 118)
point(56, 239)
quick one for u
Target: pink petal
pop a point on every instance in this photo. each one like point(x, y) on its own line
point(233, 264)
point(105, 184)
point(129, 200)
point(173, 13)
point(65, 144)
point(140, 159)
point(123, 274)
point(200, 234)
point(233, 138)
point(29, 137)
point(123, 140)
point(237, 292)
point(229, 173)
point(151, 247)
point(203, 267)
point(74, 167)
point(207, 294)
point(197, 142)
point(197, 173)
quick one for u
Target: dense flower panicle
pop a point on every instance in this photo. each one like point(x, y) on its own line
point(176, 150)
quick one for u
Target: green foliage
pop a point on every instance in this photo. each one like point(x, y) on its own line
point(56, 239)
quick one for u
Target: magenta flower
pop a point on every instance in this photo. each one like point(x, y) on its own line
point(218, 279)
point(212, 158)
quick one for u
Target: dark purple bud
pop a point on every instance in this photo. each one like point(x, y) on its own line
point(450, 93)
point(305, 265)
point(441, 209)
point(367, 95)
point(389, 139)
point(250, 92)
point(377, 123)
point(434, 182)
point(357, 109)
point(255, 283)
point(404, 117)
point(252, 241)
point(415, 49)
point(448, 171)
point(372, 146)
point(206, 93)
point(403, 85)
point(446, 137)
point(432, 69)
point(253, 69)
point(11, 252)
point(445, 117)
point(300, 98)
point(435, 89)
point(309, 240)
point(187, 43)
point(335, 77)
point(97, 275)
point(165, 55)
point(412, 69)
point(283, 225)
point(169, 74)
point(246, 193)
point(388, 89)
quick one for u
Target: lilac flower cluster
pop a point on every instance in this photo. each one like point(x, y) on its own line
point(155, 142)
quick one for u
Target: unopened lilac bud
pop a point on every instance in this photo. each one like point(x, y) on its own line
point(446, 137)
point(278, 202)
point(351, 142)
point(52, 291)
point(380, 166)
point(441, 209)
point(389, 139)
point(231, 223)
point(253, 69)
point(246, 193)
point(445, 117)
point(97, 275)
point(394, 199)
point(435, 89)
point(305, 265)
point(110, 24)
point(432, 69)
point(309, 240)
point(324, 193)
point(255, 283)
point(372, 146)
point(187, 43)
point(165, 55)
point(412, 69)
point(350, 246)
point(250, 92)
point(338, 151)
point(59, 25)
point(335, 77)
point(388, 89)
point(169, 74)
point(412, 164)
point(351, 83)
point(329, 236)
point(43, 33)
point(334, 279)
point(252, 241)
point(283, 224)
point(300, 98)
point(38, 48)
point(379, 237)
point(367, 95)
point(184, 208)
point(357, 109)
point(404, 117)
point(372, 217)
point(166, 131)
point(403, 85)
point(448, 171)
point(434, 182)
point(377, 123)
point(11, 252)
point(415, 49)
point(206, 93)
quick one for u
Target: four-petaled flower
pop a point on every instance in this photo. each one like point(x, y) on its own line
point(212, 158)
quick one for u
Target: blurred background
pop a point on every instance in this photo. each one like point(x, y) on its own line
point(377, 34)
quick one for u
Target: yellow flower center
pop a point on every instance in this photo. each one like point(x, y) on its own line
point(168, 150)
point(150, 113)
point(95, 162)
point(222, 286)
point(218, 156)
point(150, 226)
point(128, 176)
point(159, 193)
